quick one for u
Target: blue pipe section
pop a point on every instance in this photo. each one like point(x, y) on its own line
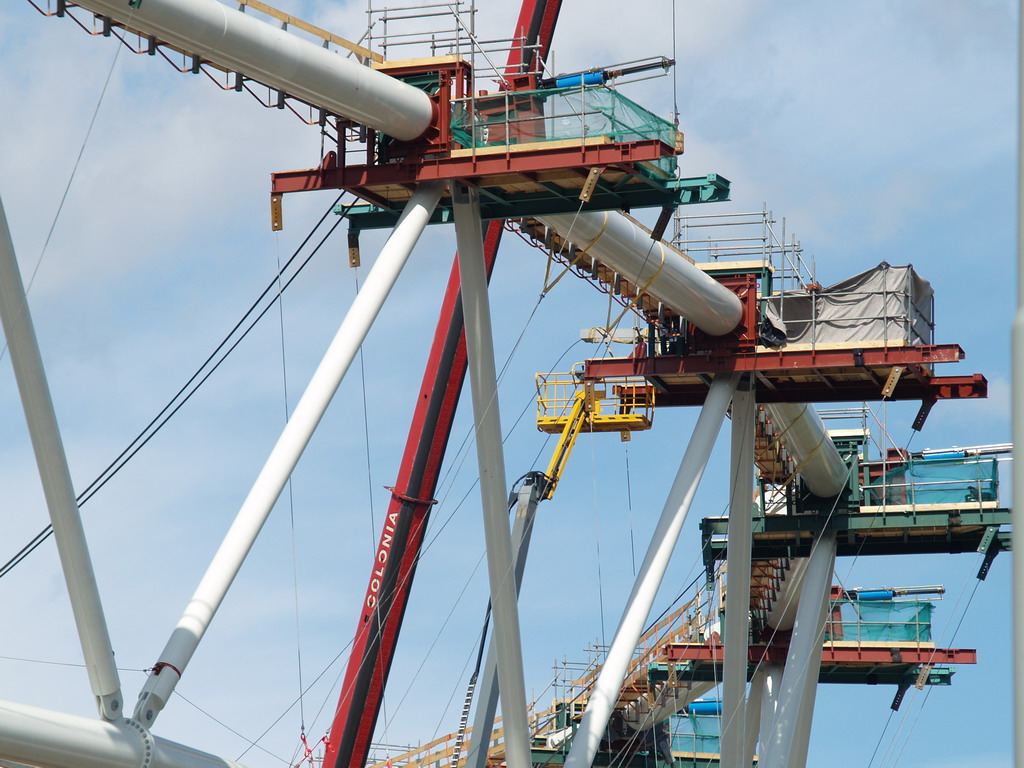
point(705, 707)
point(583, 78)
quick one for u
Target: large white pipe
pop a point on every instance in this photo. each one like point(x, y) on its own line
point(277, 58)
point(751, 729)
point(737, 579)
point(491, 459)
point(56, 480)
point(617, 242)
point(783, 746)
point(771, 682)
point(285, 454)
point(606, 688)
point(46, 739)
point(817, 459)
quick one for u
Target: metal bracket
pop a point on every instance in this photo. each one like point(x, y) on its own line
point(892, 381)
point(134, 3)
point(922, 415)
point(276, 214)
point(901, 691)
point(990, 547)
point(588, 186)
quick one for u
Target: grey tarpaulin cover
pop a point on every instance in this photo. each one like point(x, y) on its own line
point(885, 303)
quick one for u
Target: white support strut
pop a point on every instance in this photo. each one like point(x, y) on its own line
point(275, 57)
point(752, 728)
point(605, 692)
point(286, 453)
point(491, 459)
point(487, 697)
point(56, 480)
point(785, 745)
point(737, 577)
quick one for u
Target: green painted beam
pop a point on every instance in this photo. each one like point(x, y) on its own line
point(947, 530)
point(897, 674)
point(498, 205)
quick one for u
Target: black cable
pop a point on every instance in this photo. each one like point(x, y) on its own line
point(170, 409)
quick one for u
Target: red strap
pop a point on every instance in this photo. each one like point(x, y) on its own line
point(410, 499)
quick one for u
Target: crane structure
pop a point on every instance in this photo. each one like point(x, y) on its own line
point(565, 158)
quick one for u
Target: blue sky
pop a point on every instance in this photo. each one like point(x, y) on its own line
point(881, 131)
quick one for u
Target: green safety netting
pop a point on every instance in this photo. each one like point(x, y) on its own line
point(936, 481)
point(558, 114)
point(695, 733)
point(882, 620)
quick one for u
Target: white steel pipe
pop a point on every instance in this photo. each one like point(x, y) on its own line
point(614, 240)
point(782, 746)
point(648, 579)
point(769, 700)
point(737, 579)
point(487, 697)
point(817, 459)
point(285, 454)
point(47, 739)
point(751, 729)
point(274, 57)
point(56, 480)
point(491, 459)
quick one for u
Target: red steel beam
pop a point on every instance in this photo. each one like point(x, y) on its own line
point(470, 167)
point(782, 360)
point(830, 655)
point(397, 553)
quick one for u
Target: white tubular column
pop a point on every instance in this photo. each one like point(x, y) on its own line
point(751, 729)
point(298, 67)
point(56, 479)
point(804, 434)
point(737, 578)
point(46, 739)
point(487, 697)
point(617, 242)
point(484, 389)
point(606, 689)
point(285, 454)
point(782, 748)
point(769, 700)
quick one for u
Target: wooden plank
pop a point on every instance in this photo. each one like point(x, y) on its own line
point(380, 63)
point(531, 146)
point(305, 26)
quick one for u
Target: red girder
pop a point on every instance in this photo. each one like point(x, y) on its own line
point(392, 575)
point(471, 166)
point(788, 360)
point(803, 375)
